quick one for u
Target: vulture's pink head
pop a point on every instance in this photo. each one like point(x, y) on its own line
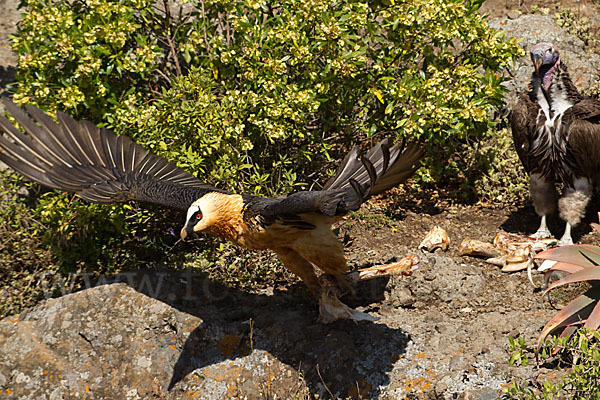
point(545, 58)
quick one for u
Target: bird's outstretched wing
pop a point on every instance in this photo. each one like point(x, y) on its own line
point(95, 163)
point(380, 169)
point(357, 179)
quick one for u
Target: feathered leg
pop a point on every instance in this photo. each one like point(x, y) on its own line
point(544, 195)
point(299, 266)
point(330, 307)
point(572, 207)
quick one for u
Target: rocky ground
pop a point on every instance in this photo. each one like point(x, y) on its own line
point(442, 333)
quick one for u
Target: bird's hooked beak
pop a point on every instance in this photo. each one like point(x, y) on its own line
point(543, 54)
point(538, 60)
point(187, 230)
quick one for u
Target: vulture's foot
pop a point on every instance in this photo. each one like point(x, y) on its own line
point(565, 241)
point(542, 233)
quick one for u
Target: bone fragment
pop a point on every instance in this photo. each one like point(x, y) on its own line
point(437, 238)
point(472, 247)
point(403, 267)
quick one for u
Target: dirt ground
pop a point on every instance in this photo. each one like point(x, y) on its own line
point(473, 301)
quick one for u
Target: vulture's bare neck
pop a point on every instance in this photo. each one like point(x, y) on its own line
point(554, 91)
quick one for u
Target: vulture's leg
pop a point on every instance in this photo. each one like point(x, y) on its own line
point(543, 231)
point(543, 194)
point(572, 206)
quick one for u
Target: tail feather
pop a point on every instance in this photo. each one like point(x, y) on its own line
point(382, 168)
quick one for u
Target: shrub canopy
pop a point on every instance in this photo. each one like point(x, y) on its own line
point(257, 92)
point(261, 96)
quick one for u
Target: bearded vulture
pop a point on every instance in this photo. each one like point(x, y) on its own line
point(556, 132)
point(102, 167)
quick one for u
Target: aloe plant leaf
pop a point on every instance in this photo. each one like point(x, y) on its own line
point(576, 311)
point(582, 254)
point(587, 274)
point(593, 320)
point(566, 267)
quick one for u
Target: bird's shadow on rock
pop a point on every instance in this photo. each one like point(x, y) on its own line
point(339, 357)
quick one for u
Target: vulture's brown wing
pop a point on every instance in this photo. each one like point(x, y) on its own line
point(95, 163)
point(523, 125)
point(587, 109)
point(583, 122)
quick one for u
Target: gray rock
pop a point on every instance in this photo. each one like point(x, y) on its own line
point(8, 59)
point(114, 342)
point(584, 67)
point(176, 335)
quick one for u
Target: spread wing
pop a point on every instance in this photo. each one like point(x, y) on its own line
point(356, 180)
point(95, 163)
point(583, 124)
point(523, 125)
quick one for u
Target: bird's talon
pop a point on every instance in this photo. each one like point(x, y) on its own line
point(542, 234)
point(565, 242)
point(331, 309)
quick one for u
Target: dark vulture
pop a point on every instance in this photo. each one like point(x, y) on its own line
point(102, 167)
point(556, 131)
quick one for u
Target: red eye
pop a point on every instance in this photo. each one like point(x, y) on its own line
point(198, 216)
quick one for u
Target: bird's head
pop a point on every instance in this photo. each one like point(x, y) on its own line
point(544, 57)
point(216, 213)
point(200, 216)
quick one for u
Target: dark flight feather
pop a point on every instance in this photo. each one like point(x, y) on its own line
point(354, 183)
point(103, 167)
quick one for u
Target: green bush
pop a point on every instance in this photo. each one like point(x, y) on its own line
point(579, 353)
point(22, 257)
point(262, 96)
point(78, 56)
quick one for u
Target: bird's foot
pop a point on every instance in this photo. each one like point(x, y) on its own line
point(330, 306)
point(565, 241)
point(331, 309)
point(542, 233)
